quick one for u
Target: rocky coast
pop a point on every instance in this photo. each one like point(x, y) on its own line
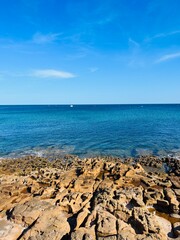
point(103, 198)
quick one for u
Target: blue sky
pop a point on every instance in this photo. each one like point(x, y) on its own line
point(89, 51)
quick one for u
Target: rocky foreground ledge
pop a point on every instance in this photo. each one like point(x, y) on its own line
point(99, 198)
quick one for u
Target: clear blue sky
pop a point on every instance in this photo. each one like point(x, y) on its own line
point(89, 51)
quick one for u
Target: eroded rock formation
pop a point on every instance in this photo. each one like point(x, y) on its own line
point(99, 198)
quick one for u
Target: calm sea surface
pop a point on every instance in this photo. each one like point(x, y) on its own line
point(88, 130)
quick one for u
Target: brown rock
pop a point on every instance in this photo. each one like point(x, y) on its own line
point(171, 197)
point(81, 216)
point(175, 181)
point(95, 198)
point(27, 213)
point(143, 222)
point(106, 224)
point(176, 229)
point(162, 203)
point(51, 224)
point(125, 231)
point(84, 234)
point(9, 230)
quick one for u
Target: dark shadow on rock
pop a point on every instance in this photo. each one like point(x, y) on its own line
point(27, 229)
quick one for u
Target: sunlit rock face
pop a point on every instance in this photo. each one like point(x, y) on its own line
point(94, 198)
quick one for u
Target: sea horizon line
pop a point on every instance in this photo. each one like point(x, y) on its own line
point(85, 104)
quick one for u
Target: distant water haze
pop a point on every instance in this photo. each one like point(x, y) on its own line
point(90, 130)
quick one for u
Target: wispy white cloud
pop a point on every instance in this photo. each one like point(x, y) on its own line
point(40, 38)
point(168, 57)
point(136, 63)
point(93, 69)
point(133, 43)
point(134, 56)
point(37, 39)
point(162, 35)
point(51, 73)
point(37, 73)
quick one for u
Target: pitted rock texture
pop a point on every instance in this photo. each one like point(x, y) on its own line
point(98, 198)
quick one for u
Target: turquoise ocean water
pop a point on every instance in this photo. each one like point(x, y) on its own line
point(89, 130)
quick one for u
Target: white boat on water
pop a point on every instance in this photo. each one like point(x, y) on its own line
point(71, 106)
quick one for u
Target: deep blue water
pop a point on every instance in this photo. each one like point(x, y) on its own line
point(88, 130)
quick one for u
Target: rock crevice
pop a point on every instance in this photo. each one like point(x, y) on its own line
point(99, 198)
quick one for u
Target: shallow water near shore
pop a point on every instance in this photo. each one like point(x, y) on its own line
point(90, 130)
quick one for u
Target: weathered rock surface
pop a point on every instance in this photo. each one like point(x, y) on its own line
point(100, 198)
point(9, 230)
